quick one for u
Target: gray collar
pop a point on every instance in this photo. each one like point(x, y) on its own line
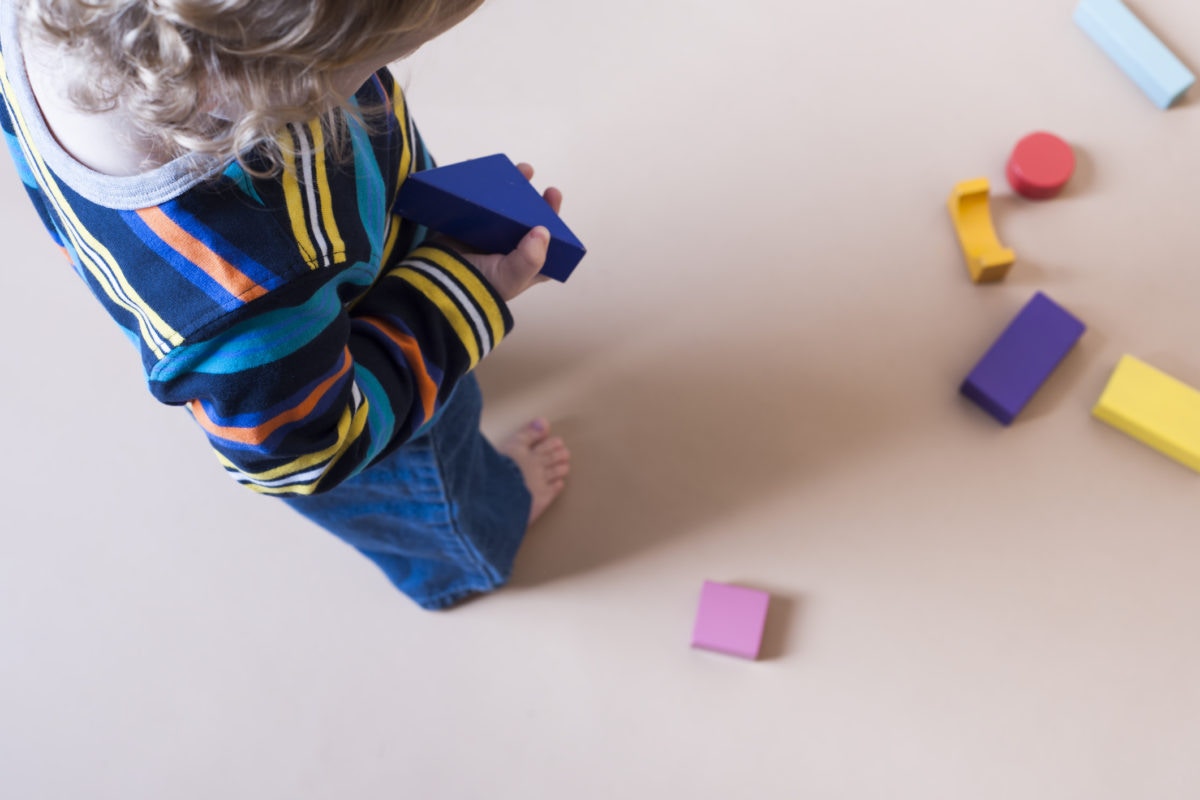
point(123, 193)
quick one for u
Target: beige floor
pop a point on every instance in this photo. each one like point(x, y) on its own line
point(756, 367)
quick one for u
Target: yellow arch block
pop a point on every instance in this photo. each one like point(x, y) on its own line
point(987, 259)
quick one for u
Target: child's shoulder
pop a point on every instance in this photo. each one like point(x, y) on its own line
point(100, 142)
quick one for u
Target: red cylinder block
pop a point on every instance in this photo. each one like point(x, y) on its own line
point(1040, 166)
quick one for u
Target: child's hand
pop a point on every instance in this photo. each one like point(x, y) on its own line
point(515, 272)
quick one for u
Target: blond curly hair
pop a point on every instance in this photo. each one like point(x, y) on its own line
point(175, 66)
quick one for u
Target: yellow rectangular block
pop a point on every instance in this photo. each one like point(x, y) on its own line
point(1153, 408)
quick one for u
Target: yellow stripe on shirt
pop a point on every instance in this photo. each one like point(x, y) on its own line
point(450, 310)
point(328, 220)
point(400, 105)
point(393, 233)
point(479, 293)
point(349, 428)
point(294, 199)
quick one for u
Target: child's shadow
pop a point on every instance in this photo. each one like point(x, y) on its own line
point(664, 443)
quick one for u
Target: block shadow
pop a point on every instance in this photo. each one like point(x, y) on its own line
point(783, 617)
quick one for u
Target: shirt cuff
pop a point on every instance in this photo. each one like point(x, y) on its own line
point(476, 313)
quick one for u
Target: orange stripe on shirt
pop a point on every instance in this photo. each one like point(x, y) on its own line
point(259, 433)
point(416, 362)
point(231, 279)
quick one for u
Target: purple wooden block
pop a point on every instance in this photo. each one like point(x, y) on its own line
point(730, 619)
point(1021, 360)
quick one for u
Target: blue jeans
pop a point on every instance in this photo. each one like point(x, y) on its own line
point(442, 516)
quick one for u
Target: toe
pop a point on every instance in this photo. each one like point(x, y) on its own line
point(536, 430)
point(551, 443)
point(530, 435)
point(553, 455)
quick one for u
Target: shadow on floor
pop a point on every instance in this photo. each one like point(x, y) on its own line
point(670, 434)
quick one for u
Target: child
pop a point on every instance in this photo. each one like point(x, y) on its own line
point(220, 173)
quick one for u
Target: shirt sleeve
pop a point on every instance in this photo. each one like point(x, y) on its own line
point(299, 397)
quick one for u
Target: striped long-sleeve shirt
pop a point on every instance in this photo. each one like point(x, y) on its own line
point(304, 324)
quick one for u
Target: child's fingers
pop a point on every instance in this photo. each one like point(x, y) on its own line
point(524, 263)
point(554, 197)
point(533, 248)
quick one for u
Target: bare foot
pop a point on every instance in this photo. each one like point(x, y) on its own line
point(544, 462)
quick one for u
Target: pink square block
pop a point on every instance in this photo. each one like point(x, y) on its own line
point(730, 619)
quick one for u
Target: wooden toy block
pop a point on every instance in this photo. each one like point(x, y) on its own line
point(1023, 358)
point(1040, 166)
point(987, 259)
point(1153, 408)
point(487, 204)
point(730, 619)
point(1128, 42)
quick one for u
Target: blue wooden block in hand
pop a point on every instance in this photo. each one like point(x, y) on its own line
point(1021, 360)
point(487, 204)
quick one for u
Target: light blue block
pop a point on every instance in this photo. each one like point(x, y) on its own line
point(1145, 59)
